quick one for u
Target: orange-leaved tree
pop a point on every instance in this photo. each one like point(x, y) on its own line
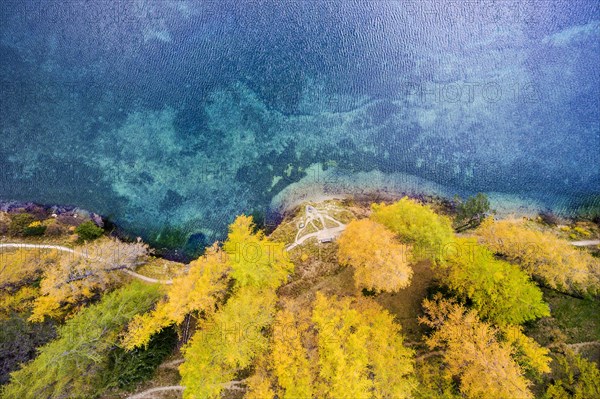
point(474, 352)
point(380, 263)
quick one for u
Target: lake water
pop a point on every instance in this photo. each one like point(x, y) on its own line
point(173, 117)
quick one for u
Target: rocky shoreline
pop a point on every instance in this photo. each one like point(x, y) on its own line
point(49, 210)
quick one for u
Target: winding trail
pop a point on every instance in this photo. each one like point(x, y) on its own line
point(71, 250)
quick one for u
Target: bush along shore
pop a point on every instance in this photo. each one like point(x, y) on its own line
point(30, 220)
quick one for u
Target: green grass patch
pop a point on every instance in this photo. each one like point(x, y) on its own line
point(578, 319)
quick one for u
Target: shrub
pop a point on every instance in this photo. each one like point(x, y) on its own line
point(4, 223)
point(54, 229)
point(582, 231)
point(34, 229)
point(88, 231)
point(19, 222)
point(549, 218)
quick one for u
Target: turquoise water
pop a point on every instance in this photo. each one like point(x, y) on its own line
point(180, 115)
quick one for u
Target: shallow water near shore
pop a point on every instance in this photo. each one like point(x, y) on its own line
point(171, 118)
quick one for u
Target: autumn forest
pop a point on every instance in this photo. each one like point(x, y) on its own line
point(409, 299)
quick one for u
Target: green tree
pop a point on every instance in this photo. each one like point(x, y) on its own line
point(435, 382)
point(527, 352)
point(470, 213)
point(70, 365)
point(124, 369)
point(416, 224)
point(575, 378)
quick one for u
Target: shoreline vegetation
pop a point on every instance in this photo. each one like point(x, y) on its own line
point(184, 239)
point(434, 273)
point(326, 183)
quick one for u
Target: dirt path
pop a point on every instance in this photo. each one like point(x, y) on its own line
point(146, 394)
point(323, 233)
point(585, 243)
point(174, 364)
point(70, 250)
point(580, 345)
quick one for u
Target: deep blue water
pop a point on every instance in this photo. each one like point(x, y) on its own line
point(185, 114)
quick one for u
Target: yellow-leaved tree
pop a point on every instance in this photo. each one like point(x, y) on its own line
point(416, 224)
point(528, 353)
point(255, 259)
point(234, 337)
point(380, 263)
point(19, 268)
point(500, 291)
point(197, 291)
point(341, 348)
point(543, 255)
point(289, 360)
point(474, 352)
point(227, 342)
point(80, 275)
